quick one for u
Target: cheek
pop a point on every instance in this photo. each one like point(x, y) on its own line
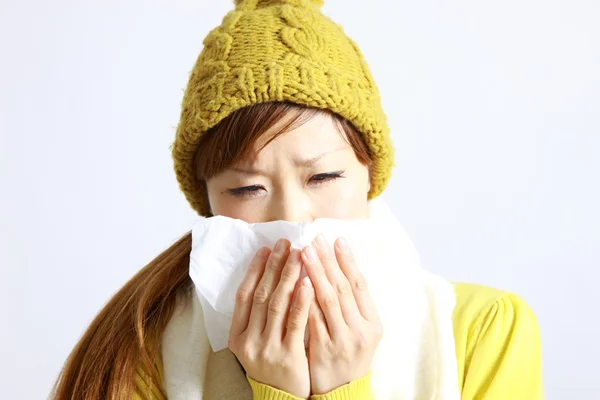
point(228, 206)
point(344, 207)
point(344, 201)
point(223, 204)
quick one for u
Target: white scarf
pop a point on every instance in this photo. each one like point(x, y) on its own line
point(415, 358)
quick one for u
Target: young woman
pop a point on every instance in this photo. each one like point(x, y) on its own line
point(281, 120)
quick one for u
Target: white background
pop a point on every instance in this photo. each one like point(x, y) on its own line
point(494, 109)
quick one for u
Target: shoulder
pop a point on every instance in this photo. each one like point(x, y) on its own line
point(476, 304)
point(498, 347)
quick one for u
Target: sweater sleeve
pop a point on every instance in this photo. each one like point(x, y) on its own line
point(502, 358)
point(262, 391)
point(358, 389)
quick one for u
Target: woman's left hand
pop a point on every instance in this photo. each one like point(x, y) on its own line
point(344, 326)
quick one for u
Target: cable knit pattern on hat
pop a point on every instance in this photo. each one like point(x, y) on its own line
point(268, 50)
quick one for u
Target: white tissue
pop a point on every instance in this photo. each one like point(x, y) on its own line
point(222, 249)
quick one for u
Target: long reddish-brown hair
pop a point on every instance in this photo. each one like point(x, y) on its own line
point(119, 353)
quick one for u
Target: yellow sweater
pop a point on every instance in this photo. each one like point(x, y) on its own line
point(498, 352)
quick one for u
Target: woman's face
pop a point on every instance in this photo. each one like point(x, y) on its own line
point(306, 173)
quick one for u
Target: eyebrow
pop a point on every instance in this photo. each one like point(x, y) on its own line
point(312, 161)
point(306, 163)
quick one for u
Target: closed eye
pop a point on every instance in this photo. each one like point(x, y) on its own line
point(315, 181)
point(250, 191)
point(319, 179)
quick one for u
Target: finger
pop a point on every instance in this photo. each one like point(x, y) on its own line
point(266, 286)
point(338, 281)
point(325, 294)
point(357, 280)
point(317, 326)
point(299, 311)
point(279, 303)
point(245, 292)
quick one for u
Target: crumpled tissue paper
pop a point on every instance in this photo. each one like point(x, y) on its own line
point(222, 249)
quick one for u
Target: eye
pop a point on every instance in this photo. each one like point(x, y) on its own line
point(248, 191)
point(319, 179)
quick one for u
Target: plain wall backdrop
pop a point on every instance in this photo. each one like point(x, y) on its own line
point(494, 110)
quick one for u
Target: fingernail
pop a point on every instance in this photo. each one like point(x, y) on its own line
point(295, 256)
point(343, 244)
point(263, 252)
point(320, 239)
point(309, 251)
point(281, 245)
point(306, 282)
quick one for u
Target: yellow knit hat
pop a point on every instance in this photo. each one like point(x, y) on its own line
point(286, 50)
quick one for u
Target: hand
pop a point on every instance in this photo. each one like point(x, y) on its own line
point(344, 326)
point(269, 352)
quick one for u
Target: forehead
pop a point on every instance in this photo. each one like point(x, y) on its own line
point(319, 132)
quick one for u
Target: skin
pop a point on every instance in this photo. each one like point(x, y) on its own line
point(306, 173)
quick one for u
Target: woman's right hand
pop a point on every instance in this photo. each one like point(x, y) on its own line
point(269, 352)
